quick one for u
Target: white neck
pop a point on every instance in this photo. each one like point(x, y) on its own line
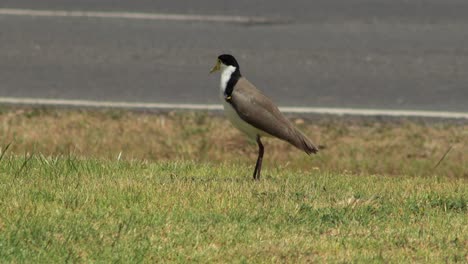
point(225, 76)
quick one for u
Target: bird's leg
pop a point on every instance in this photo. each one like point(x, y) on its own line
point(258, 165)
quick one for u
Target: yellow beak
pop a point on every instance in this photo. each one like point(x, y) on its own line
point(217, 67)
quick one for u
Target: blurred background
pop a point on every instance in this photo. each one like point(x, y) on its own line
point(384, 54)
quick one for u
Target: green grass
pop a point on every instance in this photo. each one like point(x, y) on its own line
point(68, 209)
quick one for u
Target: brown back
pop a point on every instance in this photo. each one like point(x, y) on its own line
point(259, 111)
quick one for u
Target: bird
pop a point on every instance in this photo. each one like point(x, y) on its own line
point(253, 113)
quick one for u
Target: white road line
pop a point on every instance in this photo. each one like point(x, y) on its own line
point(136, 15)
point(211, 107)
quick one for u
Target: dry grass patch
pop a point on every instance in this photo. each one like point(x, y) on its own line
point(372, 147)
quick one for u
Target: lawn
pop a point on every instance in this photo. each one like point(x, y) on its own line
point(102, 186)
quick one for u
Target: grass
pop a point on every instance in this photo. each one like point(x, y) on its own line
point(181, 191)
point(361, 147)
point(67, 209)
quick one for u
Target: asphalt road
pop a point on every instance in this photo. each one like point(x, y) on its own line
point(385, 54)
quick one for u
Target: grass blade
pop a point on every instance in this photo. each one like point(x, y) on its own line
point(4, 151)
point(443, 157)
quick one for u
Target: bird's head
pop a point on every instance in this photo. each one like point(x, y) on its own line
point(225, 61)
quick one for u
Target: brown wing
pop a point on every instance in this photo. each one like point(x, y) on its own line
point(259, 111)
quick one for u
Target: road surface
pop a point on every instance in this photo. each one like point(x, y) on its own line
point(385, 54)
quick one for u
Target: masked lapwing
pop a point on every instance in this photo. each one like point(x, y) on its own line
point(253, 113)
